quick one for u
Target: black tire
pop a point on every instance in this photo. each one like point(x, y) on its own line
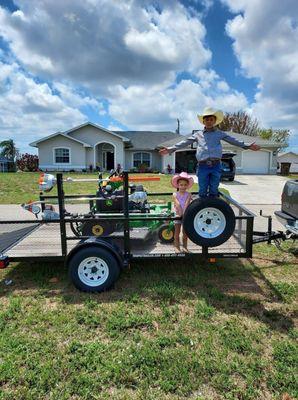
point(98, 258)
point(166, 234)
point(211, 214)
point(231, 179)
point(98, 228)
point(75, 228)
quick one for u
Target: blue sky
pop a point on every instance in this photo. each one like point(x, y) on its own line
point(141, 64)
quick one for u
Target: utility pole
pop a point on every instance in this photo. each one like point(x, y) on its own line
point(178, 126)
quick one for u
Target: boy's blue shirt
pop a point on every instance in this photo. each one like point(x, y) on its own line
point(208, 143)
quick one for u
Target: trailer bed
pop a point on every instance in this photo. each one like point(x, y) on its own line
point(43, 240)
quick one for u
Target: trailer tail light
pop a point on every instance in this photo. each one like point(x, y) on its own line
point(4, 261)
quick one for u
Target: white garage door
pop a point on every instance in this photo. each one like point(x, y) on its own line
point(255, 162)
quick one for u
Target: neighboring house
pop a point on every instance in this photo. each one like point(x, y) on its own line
point(289, 157)
point(5, 165)
point(90, 144)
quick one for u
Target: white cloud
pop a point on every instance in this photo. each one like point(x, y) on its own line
point(114, 127)
point(223, 86)
point(30, 110)
point(265, 35)
point(99, 43)
point(158, 108)
point(74, 98)
point(129, 51)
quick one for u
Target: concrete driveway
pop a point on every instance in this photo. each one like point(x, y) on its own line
point(258, 192)
point(256, 189)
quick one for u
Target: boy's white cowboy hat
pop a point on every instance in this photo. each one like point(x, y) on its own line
point(211, 111)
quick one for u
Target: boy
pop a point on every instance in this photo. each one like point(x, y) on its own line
point(209, 151)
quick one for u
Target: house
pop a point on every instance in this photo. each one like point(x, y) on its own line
point(92, 145)
point(289, 157)
point(6, 165)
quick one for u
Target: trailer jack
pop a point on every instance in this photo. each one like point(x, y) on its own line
point(270, 235)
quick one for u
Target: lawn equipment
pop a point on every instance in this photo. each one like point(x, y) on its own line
point(109, 199)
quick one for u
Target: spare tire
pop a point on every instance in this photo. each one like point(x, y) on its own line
point(209, 222)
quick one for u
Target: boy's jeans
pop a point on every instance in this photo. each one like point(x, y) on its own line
point(209, 178)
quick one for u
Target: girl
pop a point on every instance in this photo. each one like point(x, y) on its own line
point(182, 198)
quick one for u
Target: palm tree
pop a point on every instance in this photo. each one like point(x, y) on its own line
point(9, 149)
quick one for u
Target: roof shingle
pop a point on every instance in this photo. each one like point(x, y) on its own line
point(148, 140)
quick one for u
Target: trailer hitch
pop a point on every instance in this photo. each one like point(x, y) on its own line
point(271, 235)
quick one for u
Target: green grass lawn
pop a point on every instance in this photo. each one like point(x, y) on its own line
point(293, 176)
point(22, 187)
point(170, 330)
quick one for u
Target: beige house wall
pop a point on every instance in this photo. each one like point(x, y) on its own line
point(46, 154)
point(155, 159)
point(94, 137)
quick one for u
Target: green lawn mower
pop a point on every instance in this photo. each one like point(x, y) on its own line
point(109, 200)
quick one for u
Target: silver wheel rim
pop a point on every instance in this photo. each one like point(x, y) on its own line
point(93, 271)
point(209, 222)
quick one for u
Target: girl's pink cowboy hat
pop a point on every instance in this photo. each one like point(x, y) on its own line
point(183, 175)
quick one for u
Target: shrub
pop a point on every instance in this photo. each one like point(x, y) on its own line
point(143, 168)
point(28, 162)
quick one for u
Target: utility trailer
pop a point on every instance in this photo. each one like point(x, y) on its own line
point(95, 263)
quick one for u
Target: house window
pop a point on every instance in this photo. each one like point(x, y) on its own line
point(62, 156)
point(141, 159)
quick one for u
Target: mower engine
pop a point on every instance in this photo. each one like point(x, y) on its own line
point(137, 200)
point(111, 200)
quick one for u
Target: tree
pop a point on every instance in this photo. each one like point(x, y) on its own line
point(240, 122)
point(276, 135)
point(27, 162)
point(9, 149)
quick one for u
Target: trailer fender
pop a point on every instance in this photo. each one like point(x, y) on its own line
point(97, 242)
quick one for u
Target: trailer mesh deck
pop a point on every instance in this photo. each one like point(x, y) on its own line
point(40, 239)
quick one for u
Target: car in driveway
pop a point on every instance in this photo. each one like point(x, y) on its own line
point(288, 215)
point(228, 166)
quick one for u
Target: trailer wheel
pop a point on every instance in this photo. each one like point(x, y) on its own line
point(93, 269)
point(209, 222)
point(97, 228)
point(166, 234)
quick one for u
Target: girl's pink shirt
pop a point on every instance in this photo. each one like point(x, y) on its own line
point(182, 199)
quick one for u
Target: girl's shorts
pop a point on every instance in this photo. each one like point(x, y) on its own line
point(178, 222)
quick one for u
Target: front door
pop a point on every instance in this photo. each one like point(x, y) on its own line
point(110, 160)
